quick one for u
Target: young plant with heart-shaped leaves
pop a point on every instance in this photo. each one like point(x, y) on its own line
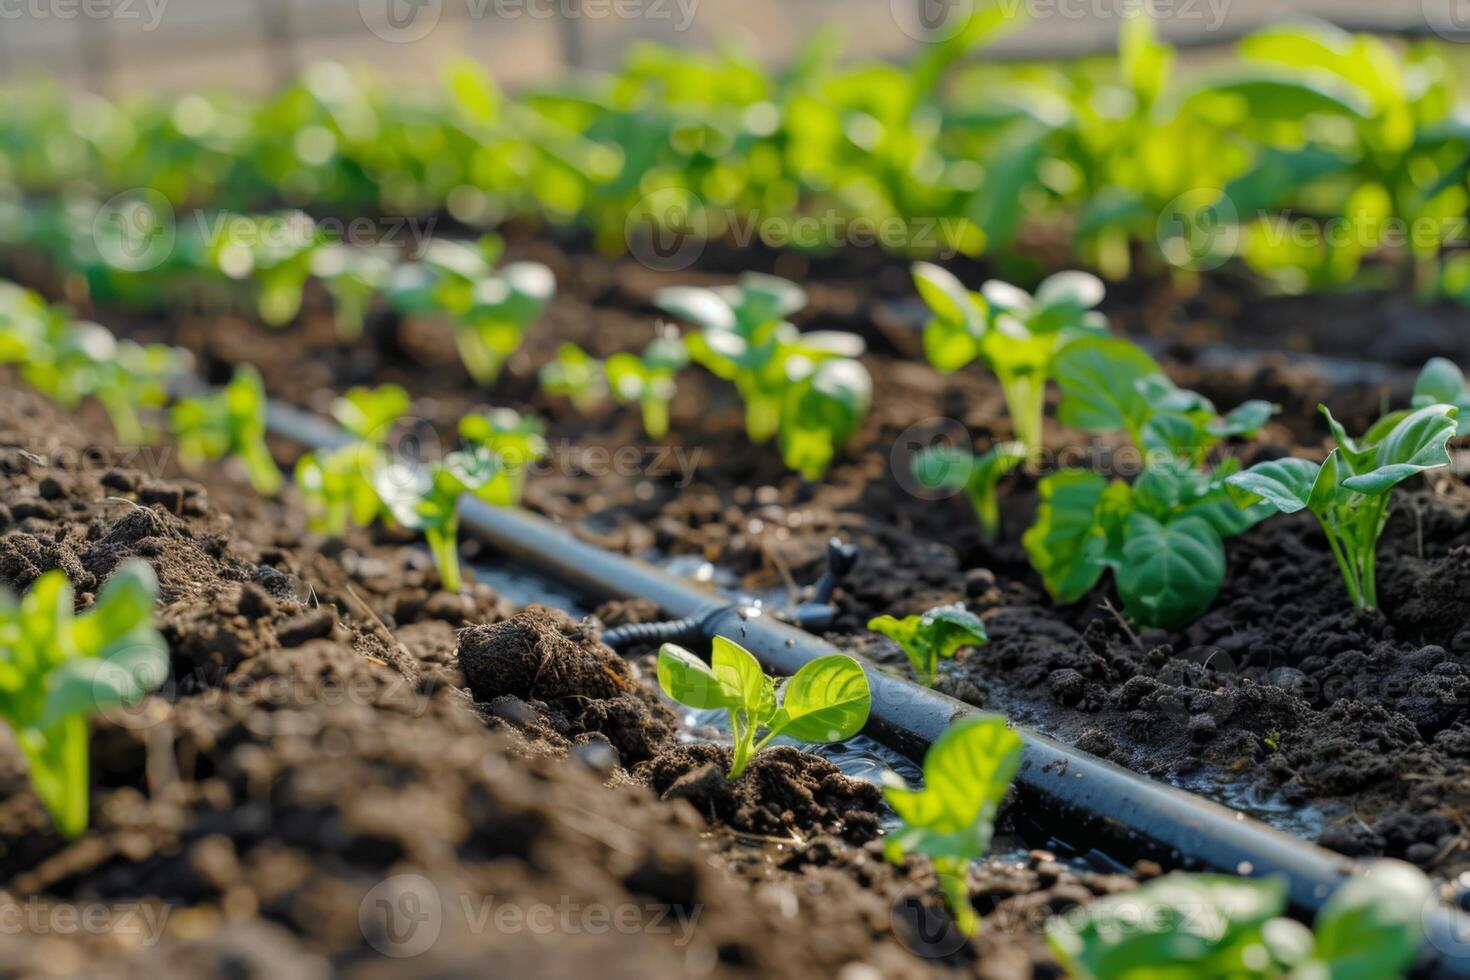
point(827, 700)
point(930, 636)
point(1163, 535)
point(425, 497)
point(1016, 334)
point(952, 818)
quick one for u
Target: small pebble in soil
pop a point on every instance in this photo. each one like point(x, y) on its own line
point(597, 754)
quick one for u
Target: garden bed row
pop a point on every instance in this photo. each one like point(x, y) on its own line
point(1345, 727)
point(327, 741)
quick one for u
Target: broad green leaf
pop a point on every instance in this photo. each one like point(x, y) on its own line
point(690, 681)
point(947, 297)
point(740, 674)
point(1067, 543)
point(1170, 572)
point(696, 305)
point(1443, 383)
point(1420, 442)
point(1099, 379)
point(966, 773)
point(1246, 419)
point(1285, 484)
point(1371, 927)
point(826, 701)
point(1072, 291)
point(1172, 928)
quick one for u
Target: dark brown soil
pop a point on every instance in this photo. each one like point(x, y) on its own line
point(316, 791)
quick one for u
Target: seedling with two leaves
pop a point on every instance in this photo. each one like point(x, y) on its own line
point(952, 819)
point(951, 468)
point(229, 423)
point(648, 381)
point(1350, 493)
point(576, 375)
point(1163, 535)
point(488, 308)
point(337, 485)
point(1219, 927)
point(57, 669)
point(807, 388)
point(933, 635)
point(425, 497)
point(825, 701)
point(1016, 334)
point(353, 275)
point(515, 441)
point(274, 252)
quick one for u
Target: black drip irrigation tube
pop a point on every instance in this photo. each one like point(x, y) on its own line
point(1058, 786)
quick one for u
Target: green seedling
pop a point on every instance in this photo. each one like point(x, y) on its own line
point(952, 819)
point(57, 669)
point(1163, 536)
point(1441, 382)
point(576, 375)
point(1017, 335)
point(649, 380)
point(337, 486)
point(229, 423)
point(931, 636)
point(426, 499)
point(502, 307)
point(1217, 927)
point(69, 360)
point(822, 411)
point(275, 252)
point(952, 468)
point(1111, 385)
point(370, 413)
point(516, 443)
point(826, 701)
point(1350, 493)
point(489, 310)
point(745, 338)
point(353, 276)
